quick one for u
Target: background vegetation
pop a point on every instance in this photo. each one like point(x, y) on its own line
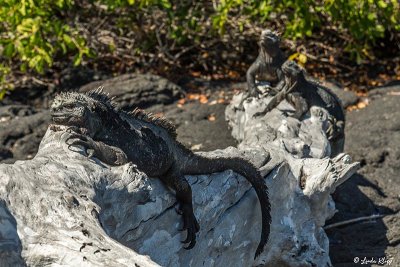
point(41, 38)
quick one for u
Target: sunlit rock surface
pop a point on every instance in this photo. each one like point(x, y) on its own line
point(300, 192)
point(61, 208)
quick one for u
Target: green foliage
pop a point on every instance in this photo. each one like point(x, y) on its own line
point(35, 34)
point(4, 70)
point(364, 20)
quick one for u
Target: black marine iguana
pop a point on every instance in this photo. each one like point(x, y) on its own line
point(116, 137)
point(267, 65)
point(303, 94)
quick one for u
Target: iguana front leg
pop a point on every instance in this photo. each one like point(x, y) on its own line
point(177, 182)
point(299, 103)
point(335, 128)
point(108, 154)
point(276, 89)
point(251, 79)
point(274, 102)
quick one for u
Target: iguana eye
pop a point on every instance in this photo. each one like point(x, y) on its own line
point(69, 106)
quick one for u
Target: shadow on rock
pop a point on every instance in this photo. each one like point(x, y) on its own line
point(364, 240)
point(10, 243)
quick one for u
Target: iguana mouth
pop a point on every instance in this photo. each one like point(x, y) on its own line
point(269, 40)
point(289, 71)
point(60, 117)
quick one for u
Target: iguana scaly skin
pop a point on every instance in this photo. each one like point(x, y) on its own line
point(303, 94)
point(267, 65)
point(116, 137)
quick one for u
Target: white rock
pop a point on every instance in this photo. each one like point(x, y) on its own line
point(62, 209)
point(300, 192)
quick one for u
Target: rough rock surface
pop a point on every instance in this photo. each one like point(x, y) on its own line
point(48, 215)
point(295, 143)
point(21, 130)
point(364, 194)
point(79, 204)
point(138, 90)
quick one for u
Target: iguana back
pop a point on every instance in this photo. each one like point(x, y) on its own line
point(117, 137)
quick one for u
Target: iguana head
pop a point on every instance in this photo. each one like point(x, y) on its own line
point(269, 41)
point(292, 71)
point(78, 110)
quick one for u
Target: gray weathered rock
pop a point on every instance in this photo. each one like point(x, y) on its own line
point(61, 208)
point(48, 213)
point(138, 90)
point(21, 130)
point(301, 192)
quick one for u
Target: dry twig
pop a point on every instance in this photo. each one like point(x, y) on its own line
point(359, 219)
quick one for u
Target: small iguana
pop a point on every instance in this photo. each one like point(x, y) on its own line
point(303, 94)
point(267, 65)
point(117, 137)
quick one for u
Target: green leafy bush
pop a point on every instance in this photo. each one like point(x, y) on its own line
point(36, 34)
point(34, 31)
point(363, 20)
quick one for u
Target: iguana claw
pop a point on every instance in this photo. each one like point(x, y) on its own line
point(72, 129)
point(178, 209)
point(191, 225)
point(76, 139)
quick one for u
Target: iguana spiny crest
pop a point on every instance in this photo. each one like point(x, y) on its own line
point(79, 107)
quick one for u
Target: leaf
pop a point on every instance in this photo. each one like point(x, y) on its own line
point(9, 50)
point(166, 4)
point(371, 16)
point(379, 28)
point(22, 8)
point(67, 39)
point(63, 48)
point(293, 56)
point(211, 117)
point(25, 26)
point(45, 55)
point(36, 63)
point(302, 58)
point(382, 4)
point(203, 99)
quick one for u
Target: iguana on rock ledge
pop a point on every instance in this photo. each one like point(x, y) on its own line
point(116, 137)
point(267, 65)
point(303, 94)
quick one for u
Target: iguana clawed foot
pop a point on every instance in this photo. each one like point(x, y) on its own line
point(86, 142)
point(190, 224)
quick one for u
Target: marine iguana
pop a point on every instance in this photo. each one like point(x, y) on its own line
point(267, 65)
point(117, 137)
point(302, 94)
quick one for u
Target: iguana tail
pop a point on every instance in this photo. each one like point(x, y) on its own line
point(201, 164)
